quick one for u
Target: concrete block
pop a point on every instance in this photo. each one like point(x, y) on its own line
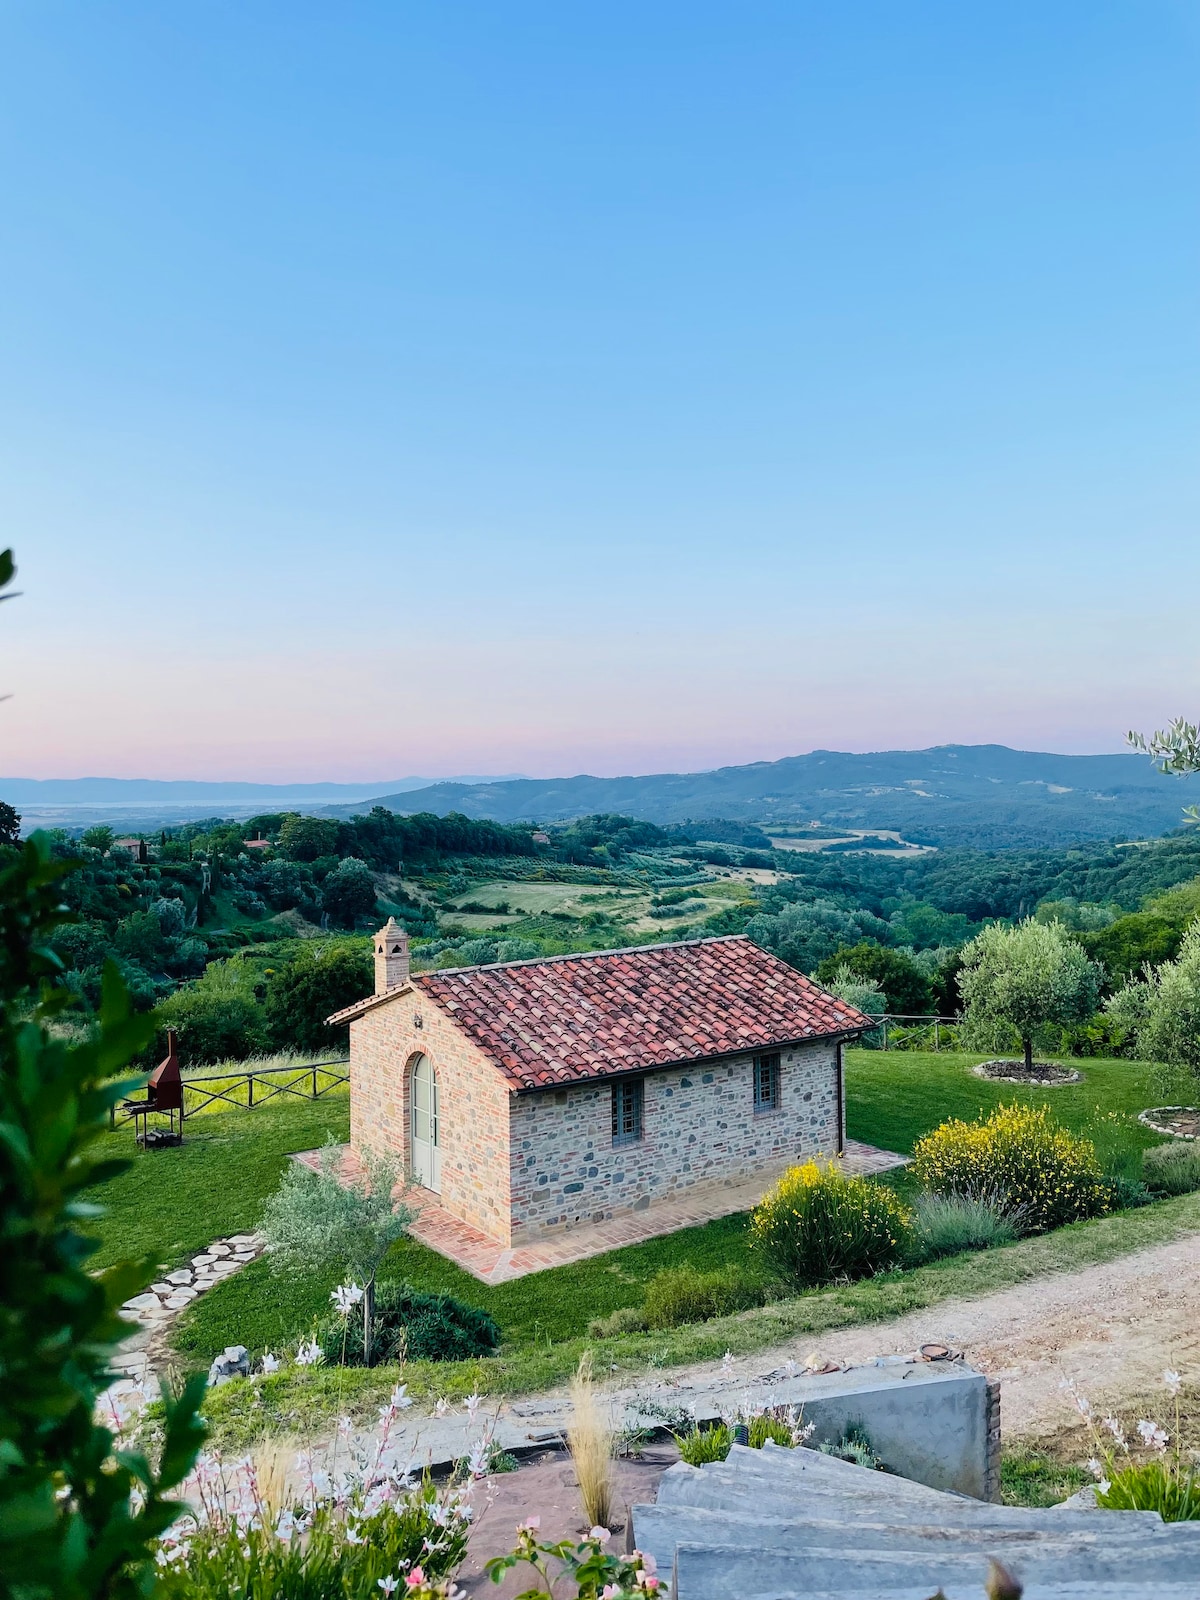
point(706, 1572)
point(928, 1421)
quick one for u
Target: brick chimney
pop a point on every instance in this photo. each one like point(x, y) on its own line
point(391, 957)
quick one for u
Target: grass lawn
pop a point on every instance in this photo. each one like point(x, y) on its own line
point(174, 1202)
point(171, 1203)
point(895, 1096)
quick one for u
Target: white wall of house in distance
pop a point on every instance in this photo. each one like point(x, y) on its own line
point(473, 1104)
point(699, 1128)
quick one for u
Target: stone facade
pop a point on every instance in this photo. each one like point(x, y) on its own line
point(518, 1161)
point(473, 1104)
point(699, 1126)
point(521, 1165)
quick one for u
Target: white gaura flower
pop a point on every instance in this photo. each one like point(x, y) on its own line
point(1114, 1427)
point(442, 1409)
point(471, 1405)
point(1096, 1468)
point(389, 1585)
point(1103, 1486)
point(1149, 1433)
point(400, 1400)
point(310, 1354)
point(270, 1363)
point(1082, 1403)
point(1172, 1380)
point(345, 1297)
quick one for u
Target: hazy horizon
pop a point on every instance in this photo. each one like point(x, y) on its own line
point(379, 785)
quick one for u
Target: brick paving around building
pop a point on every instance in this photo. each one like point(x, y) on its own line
point(492, 1262)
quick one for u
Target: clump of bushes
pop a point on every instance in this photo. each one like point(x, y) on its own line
point(683, 1294)
point(700, 1445)
point(818, 1223)
point(625, 1319)
point(947, 1224)
point(1172, 1168)
point(413, 1327)
point(1051, 1176)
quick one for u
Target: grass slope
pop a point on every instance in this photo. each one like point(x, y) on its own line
point(302, 1399)
point(171, 1203)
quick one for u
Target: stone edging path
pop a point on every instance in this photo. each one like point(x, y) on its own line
point(178, 1289)
point(152, 1313)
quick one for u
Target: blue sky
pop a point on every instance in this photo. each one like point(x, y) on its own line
point(391, 388)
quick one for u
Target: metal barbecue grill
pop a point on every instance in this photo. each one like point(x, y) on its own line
point(164, 1097)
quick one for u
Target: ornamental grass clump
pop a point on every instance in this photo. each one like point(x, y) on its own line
point(678, 1295)
point(818, 1224)
point(1172, 1168)
point(948, 1224)
point(1047, 1175)
point(591, 1440)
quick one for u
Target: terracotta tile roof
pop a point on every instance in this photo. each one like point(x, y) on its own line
point(569, 1018)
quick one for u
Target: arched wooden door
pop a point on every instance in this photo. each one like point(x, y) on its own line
point(426, 1157)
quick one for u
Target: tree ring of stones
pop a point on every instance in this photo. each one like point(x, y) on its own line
point(1045, 1075)
point(1178, 1122)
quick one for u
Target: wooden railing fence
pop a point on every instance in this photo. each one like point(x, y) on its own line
point(255, 1086)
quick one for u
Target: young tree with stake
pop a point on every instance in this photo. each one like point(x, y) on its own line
point(326, 1220)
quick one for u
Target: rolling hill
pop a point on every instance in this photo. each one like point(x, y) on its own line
point(984, 796)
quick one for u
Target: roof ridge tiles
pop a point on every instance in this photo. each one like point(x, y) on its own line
point(580, 955)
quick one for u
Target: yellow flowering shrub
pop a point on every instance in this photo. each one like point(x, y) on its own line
point(818, 1223)
point(1020, 1157)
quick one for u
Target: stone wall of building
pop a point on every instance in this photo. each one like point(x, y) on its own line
point(473, 1104)
point(699, 1127)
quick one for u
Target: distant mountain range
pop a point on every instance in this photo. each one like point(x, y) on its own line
point(985, 796)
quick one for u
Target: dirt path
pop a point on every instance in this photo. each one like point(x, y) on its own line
point(1112, 1328)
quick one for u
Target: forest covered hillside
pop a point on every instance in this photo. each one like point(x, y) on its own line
point(983, 796)
point(249, 934)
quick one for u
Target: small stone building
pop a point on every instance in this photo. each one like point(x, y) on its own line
point(533, 1096)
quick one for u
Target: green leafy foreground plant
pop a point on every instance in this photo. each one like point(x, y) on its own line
point(78, 1516)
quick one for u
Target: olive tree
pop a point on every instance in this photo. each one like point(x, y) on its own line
point(331, 1220)
point(1174, 749)
point(1026, 976)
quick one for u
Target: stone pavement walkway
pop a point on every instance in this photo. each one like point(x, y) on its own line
point(492, 1262)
